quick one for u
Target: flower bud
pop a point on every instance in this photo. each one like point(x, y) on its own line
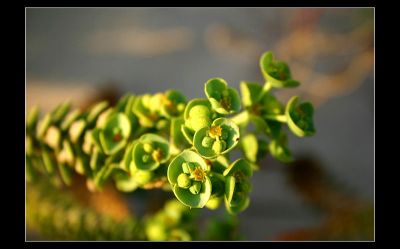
point(148, 148)
point(207, 142)
point(195, 188)
point(183, 181)
point(219, 146)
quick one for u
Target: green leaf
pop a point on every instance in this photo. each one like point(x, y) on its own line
point(43, 125)
point(129, 113)
point(95, 111)
point(187, 133)
point(220, 164)
point(59, 113)
point(124, 103)
point(127, 159)
point(104, 174)
point(53, 137)
point(279, 150)
point(177, 138)
point(273, 128)
point(241, 205)
point(237, 186)
point(125, 183)
point(82, 162)
point(262, 150)
point(95, 138)
point(29, 148)
point(48, 161)
point(239, 165)
point(97, 159)
point(300, 117)
point(250, 147)
point(76, 130)
point(223, 99)
point(218, 183)
point(66, 155)
point(66, 173)
point(32, 118)
point(69, 119)
point(104, 116)
point(270, 105)
point(30, 172)
point(250, 93)
point(276, 72)
point(230, 184)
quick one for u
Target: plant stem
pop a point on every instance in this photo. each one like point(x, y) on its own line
point(219, 176)
point(266, 88)
point(241, 118)
point(280, 118)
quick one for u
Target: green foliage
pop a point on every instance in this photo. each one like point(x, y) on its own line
point(59, 216)
point(173, 222)
point(162, 141)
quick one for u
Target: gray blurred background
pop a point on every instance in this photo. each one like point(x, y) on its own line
point(73, 52)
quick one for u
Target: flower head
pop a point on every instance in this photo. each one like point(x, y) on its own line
point(220, 138)
point(187, 174)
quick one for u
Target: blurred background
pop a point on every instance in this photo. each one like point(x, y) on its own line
point(83, 54)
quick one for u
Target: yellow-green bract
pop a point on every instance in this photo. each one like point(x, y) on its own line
point(223, 99)
point(277, 73)
point(197, 114)
point(198, 168)
point(300, 117)
point(237, 186)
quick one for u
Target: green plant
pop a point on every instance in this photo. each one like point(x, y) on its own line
point(162, 141)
